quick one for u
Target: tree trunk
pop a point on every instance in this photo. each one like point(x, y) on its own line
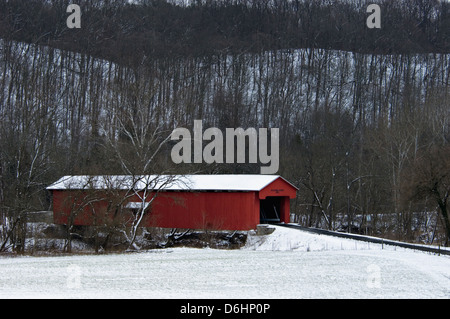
point(443, 207)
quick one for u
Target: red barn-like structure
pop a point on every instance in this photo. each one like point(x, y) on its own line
point(220, 202)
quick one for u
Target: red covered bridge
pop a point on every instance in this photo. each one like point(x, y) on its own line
point(222, 202)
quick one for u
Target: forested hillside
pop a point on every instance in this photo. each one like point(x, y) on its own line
point(363, 113)
point(127, 33)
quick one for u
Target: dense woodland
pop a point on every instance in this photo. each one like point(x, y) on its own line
point(363, 113)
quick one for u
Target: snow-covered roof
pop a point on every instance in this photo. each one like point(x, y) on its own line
point(239, 182)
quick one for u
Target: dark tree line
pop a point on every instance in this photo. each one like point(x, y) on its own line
point(361, 127)
point(125, 33)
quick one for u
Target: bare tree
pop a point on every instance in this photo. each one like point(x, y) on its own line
point(135, 141)
point(143, 192)
point(429, 178)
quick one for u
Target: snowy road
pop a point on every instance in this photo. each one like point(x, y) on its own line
point(337, 270)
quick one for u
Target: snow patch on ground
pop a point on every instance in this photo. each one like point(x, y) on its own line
point(286, 239)
point(285, 264)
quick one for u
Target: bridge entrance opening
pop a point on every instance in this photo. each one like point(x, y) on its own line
point(270, 210)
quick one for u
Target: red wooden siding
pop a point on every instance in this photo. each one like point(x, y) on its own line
point(278, 187)
point(206, 210)
point(233, 210)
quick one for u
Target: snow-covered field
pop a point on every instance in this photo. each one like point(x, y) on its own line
point(286, 264)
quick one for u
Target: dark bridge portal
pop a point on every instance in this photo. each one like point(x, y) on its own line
point(270, 210)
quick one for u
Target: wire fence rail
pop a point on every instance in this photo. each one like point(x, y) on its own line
point(436, 250)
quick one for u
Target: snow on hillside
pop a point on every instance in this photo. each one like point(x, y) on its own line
point(293, 239)
point(283, 239)
point(286, 264)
